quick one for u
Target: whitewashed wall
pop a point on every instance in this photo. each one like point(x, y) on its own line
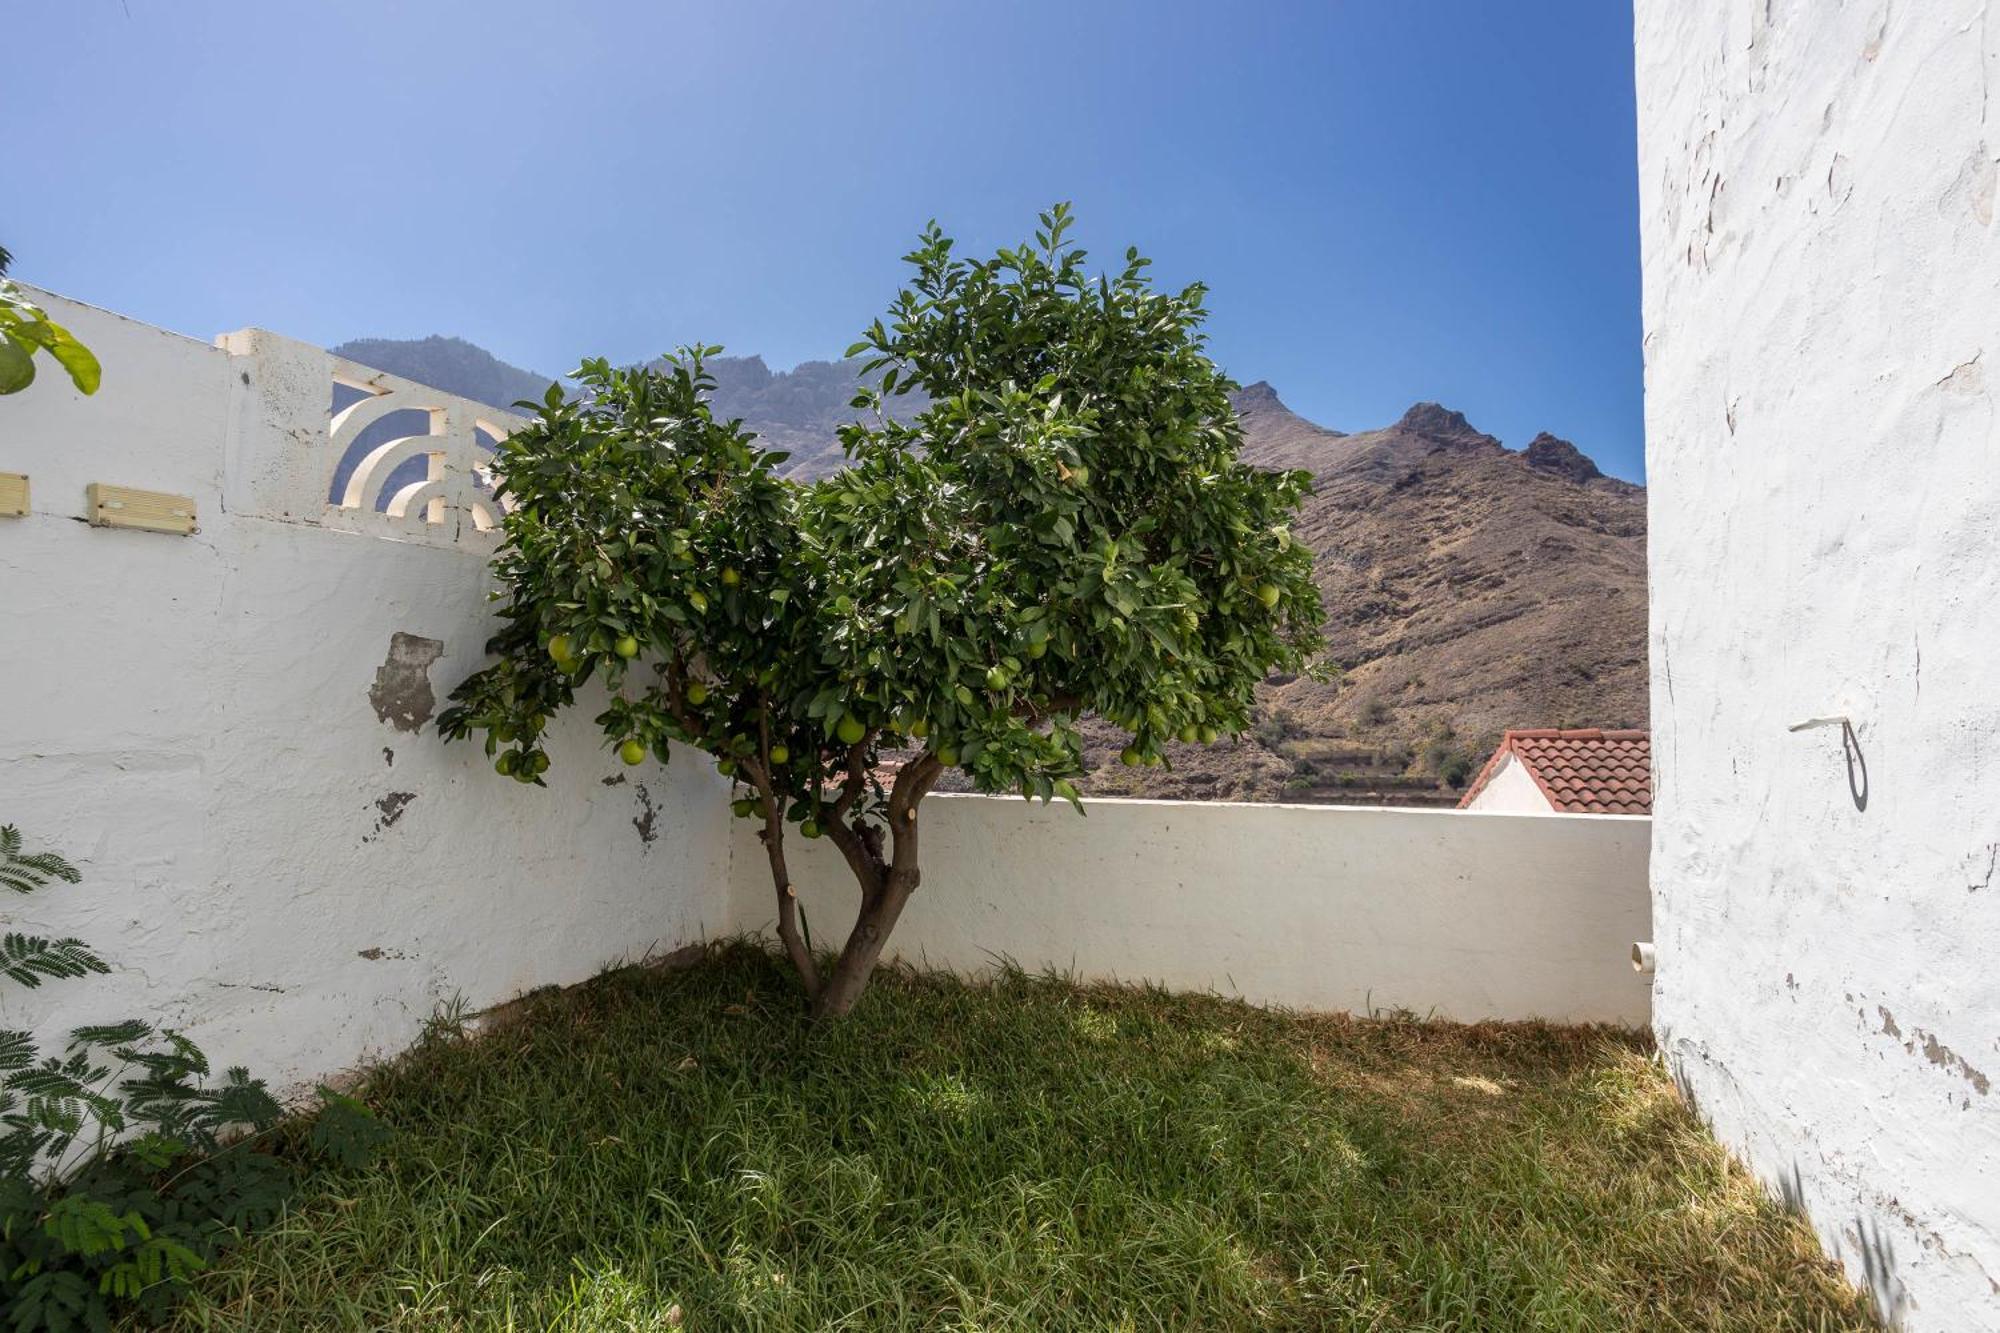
point(228, 734)
point(1822, 310)
point(270, 859)
point(1443, 912)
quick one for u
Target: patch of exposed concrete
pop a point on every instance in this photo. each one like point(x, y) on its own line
point(401, 694)
point(391, 808)
point(648, 815)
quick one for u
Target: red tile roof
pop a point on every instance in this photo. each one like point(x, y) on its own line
point(1582, 772)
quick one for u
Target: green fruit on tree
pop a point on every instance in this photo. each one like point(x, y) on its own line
point(627, 647)
point(779, 754)
point(730, 578)
point(743, 808)
point(726, 766)
point(697, 600)
point(1268, 595)
point(809, 828)
point(1080, 474)
point(1208, 735)
point(1131, 757)
point(920, 728)
point(996, 678)
point(962, 693)
point(697, 693)
point(850, 730)
point(560, 651)
point(1037, 648)
point(632, 752)
point(1190, 733)
point(523, 775)
point(504, 765)
point(948, 757)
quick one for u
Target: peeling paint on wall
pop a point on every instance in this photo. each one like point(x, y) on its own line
point(401, 694)
point(647, 817)
point(390, 809)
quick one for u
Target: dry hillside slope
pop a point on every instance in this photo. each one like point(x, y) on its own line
point(1470, 587)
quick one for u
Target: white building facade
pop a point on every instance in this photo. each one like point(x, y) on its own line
point(1822, 310)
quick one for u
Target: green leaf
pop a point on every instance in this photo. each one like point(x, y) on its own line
point(17, 367)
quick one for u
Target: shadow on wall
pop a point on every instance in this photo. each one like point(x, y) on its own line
point(1877, 1250)
point(1857, 765)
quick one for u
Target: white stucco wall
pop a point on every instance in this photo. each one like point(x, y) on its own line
point(268, 861)
point(278, 864)
point(1511, 791)
point(1441, 912)
point(1822, 303)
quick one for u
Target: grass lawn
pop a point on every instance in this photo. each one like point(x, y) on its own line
point(680, 1149)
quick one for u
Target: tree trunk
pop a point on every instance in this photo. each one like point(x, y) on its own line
point(885, 888)
point(773, 834)
point(864, 947)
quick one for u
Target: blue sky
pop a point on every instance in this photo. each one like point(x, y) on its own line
point(1391, 200)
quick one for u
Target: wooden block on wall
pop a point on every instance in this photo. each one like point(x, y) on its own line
point(149, 511)
point(13, 494)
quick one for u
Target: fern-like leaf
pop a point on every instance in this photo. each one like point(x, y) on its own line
point(27, 959)
point(17, 1051)
point(112, 1035)
point(25, 874)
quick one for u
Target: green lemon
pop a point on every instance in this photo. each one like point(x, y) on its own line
point(1131, 757)
point(920, 728)
point(730, 578)
point(504, 765)
point(632, 752)
point(850, 730)
point(1268, 595)
point(1037, 648)
point(697, 600)
point(743, 808)
point(726, 766)
point(948, 757)
point(627, 647)
point(1190, 733)
point(809, 828)
point(1080, 474)
point(1208, 735)
point(962, 693)
point(996, 678)
point(697, 693)
point(560, 650)
point(540, 763)
point(779, 754)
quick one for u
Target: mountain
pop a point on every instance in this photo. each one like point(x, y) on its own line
point(796, 410)
point(1470, 587)
point(451, 364)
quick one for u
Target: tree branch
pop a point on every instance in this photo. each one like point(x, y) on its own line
point(773, 834)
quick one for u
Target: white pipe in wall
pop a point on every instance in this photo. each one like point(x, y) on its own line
point(1642, 957)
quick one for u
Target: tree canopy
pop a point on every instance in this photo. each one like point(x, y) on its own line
point(1065, 529)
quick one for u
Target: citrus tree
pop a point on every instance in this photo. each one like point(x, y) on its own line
point(1065, 529)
